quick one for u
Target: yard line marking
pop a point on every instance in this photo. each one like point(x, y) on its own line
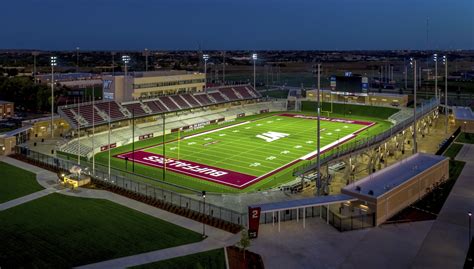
point(216, 130)
point(321, 150)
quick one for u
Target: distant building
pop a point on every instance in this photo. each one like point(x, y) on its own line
point(6, 109)
point(146, 85)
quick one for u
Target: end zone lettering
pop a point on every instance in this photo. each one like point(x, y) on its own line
point(186, 166)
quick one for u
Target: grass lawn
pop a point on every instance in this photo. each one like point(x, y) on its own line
point(58, 231)
point(466, 138)
point(453, 150)
point(16, 182)
point(212, 259)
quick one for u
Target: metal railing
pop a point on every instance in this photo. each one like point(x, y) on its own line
point(359, 144)
point(128, 183)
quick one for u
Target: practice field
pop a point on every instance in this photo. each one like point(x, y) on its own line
point(244, 153)
point(59, 231)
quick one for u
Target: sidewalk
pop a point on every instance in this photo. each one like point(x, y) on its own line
point(447, 242)
point(26, 198)
point(216, 238)
point(158, 255)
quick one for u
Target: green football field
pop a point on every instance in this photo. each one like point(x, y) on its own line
point(247, 152)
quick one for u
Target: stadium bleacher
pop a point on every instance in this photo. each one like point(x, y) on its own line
point(191, 100)
point(156, 106)
point(135, 108)
point(217, 96)
point(168, 102)
point(229, 93)
point(124, 134)
point(115, 113)
point(178, 100)
point(204, 99)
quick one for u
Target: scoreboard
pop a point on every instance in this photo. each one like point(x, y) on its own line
point(349, 83)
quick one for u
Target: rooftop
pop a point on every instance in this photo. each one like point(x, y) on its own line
point(383, 180)
point(463, 113)
point(5, 102)
point(306, 202)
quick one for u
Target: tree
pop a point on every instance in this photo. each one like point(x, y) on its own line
point(244, 241)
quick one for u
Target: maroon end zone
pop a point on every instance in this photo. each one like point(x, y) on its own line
point(202, 171)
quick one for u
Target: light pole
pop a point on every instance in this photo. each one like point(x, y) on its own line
point(113, 63)
point(204, 213)
point(146, 59)
point(53, 61)
point(77, 59)
point(205, 57)
point(35, 53)
point(254, 58)
point(413, 65)
point(435, 59)
point(318, 145)
point(469, 214)
point(126, 60)
point(445, 62)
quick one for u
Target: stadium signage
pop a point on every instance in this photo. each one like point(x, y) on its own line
point(106, 147)
point(145, 136)
point(240, 115)
point(210, 173)
point(254, 221)
point(186, 166)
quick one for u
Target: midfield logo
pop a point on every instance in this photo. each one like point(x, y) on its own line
point(271, 136)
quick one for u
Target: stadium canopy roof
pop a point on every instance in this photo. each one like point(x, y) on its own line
point(304, 203)
point(382, 181)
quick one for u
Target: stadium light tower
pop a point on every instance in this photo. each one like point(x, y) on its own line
point(77, 59)
point(53, 61)
point(205, 57)
point(126, 60)
point(146, 53)
point(445, 62)
point(254, 58)
point(413, 65)
point(435, 59)
point(113, 63)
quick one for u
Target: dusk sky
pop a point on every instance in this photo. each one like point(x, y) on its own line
point(232, 24)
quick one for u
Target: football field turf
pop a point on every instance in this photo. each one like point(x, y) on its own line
point(244, 153)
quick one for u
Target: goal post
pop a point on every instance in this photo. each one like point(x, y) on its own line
point(329, 101)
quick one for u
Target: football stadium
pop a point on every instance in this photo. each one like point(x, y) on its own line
point(223, 151)
point(230, 140)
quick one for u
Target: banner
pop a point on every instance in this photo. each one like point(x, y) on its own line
point(254, 221)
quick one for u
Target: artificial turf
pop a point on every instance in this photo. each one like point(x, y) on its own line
point(58, 231)
point(256, 152)
point(16, 182)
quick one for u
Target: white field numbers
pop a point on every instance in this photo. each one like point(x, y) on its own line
point(271, 136)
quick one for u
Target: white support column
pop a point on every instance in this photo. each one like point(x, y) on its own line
point(297, 215)
point(278, 220)
point(273, 218)
point(327, 216)
point(320, 212)
point(304, 217)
